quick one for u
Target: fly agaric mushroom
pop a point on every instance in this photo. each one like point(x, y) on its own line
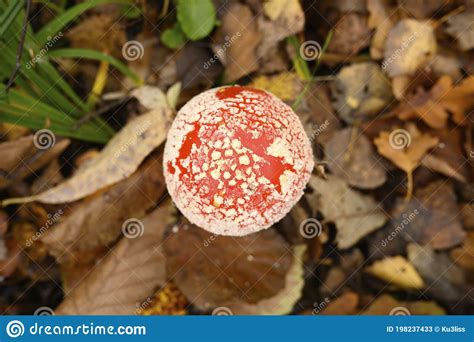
point(236, 160)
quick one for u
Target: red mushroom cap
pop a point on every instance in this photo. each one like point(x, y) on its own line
point(236, 160)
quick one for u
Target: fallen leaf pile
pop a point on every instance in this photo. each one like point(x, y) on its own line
point(385, 93)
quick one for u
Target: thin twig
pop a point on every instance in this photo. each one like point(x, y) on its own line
point(99, 112)
point(21, 44)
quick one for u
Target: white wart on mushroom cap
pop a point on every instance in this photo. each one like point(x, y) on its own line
point(236, 160)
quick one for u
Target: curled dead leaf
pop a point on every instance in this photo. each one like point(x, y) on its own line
point(216, 270)
point(241, 59)
point(460, 26)
point(410, 44)
point(118, 160)
point(354, 214)
point(133, 270)
point(446, 280)
point(351, 156)
point(97, 220)
point(361, 90)
point(282, 303)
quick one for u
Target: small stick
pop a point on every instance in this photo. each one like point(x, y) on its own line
point(19, 53)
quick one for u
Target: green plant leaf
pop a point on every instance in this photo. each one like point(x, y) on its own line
point(196, 17)
point(96, 55)
point(173, 38)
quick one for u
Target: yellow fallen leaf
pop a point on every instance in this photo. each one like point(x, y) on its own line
point(405, 148)
point(286, 86)
point(398, 271)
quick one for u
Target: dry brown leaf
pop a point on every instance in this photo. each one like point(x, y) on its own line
point(118, 160)
point(446, 63)
point(398, 271)
point(338, 275)
point(437, 164)
point(216, 270)
point(351, 157)
point(289, 21)
point(408, 157)
point(460, 26)
point(361, 90)
point(467, 213)
point(20, 158)
point(89, 34)
point(382, 20)
point(459, 100)
point(97, 221)
point(426, 104)
point(434, 106)
point(241, 58)
point(132, 270)
point(51, 176)
point(430, 218)
point(410, 44)
point(282, 303)
point(445, 280)
point(317, 114)
point(345, 304)
point(464, 255)
point(351, 34)
point(405, 148)
point(354, 214)
point(387, 305)
point(9, 257)
point(448, 158)
point(423, 8)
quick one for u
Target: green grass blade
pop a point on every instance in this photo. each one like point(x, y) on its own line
point(96, 55)
point(9, 16)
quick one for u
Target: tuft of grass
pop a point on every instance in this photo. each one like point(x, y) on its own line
point(41, 97)
point(302, 68)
